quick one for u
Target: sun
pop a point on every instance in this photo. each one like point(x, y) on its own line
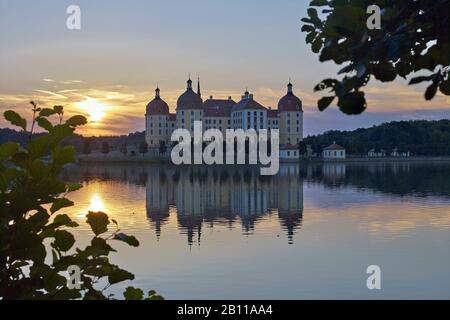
point(93, 108)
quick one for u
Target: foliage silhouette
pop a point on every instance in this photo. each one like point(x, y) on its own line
point(414, 37)
point(36, 246)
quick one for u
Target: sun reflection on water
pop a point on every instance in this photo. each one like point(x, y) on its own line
point(97, 203)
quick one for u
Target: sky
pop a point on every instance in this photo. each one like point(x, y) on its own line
point(109, 69)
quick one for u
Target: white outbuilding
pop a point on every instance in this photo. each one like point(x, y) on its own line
point(334, 151)
point(289, 152)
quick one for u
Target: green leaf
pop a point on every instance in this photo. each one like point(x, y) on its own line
point(98, 221)
point(44, 123)
point(101, 246)
point(131, 240)
point(76, 121)
point(39, 169)
point(318, 3)
point(310, 37)
point(46, 112)
point(58, 109)
point(118, 275)
point(327, 83)
point(307, 28)
point(15, 119)
point(41, 146)
point(420, 79)
point(71, 187)
point(312, 13)
point(346, 69)
point(316, 45)
point(20, 157)
point(133, 294)
point(61, 131)
point(445, 87)
point(63, 155)
point(7, 149)
point(384, 71)
point(352, 103)
point(39, 219)
point(325, 102)
point(431, 91)
point(64, 220)
point(64, 240)
point(60, 203)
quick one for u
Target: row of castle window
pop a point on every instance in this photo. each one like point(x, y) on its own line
point(159, 132)
point(211, 125)
point(249, 112)
point(160, 125)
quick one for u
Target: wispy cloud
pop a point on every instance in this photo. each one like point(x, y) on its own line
point(71, 82)
point(60, 96)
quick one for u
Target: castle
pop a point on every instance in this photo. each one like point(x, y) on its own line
point(223, 114)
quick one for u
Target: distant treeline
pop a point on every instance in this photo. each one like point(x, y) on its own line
point(420, 137)
point(79, 142)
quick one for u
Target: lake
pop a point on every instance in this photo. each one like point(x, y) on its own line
point(309, 232)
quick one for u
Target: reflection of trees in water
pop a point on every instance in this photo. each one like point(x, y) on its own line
point(398, 179)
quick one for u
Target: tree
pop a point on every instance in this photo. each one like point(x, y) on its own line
point(143, 147)
point(421, 137)
point(105, 147)
point(414, 38)
point(162, 147)
point(302, 148)
point(124, 149)
point(87, 147)
point(36, 245)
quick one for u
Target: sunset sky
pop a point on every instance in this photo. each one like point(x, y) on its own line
point(109, 69)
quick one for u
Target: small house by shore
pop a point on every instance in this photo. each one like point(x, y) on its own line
point(289, 152)
point(374, 153)
point(334, 152)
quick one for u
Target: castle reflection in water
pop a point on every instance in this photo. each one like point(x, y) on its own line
point(211, 196)
point(208, 196)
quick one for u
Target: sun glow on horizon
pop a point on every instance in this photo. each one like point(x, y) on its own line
point(95, 109)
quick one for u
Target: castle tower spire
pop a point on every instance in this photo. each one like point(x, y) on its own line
point(189, 83)
point(290, 87)
point(198, 88)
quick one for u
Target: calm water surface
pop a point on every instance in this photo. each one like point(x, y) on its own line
point(309, 232)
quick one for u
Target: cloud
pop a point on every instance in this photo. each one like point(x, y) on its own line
point(52, 94)
point(71, 82)
point(126, 105)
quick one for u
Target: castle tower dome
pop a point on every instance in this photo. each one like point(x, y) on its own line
point(290, 102)
point(157, 106)
point(189, 99)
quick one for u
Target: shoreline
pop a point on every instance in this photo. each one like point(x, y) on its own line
point(162, 160)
